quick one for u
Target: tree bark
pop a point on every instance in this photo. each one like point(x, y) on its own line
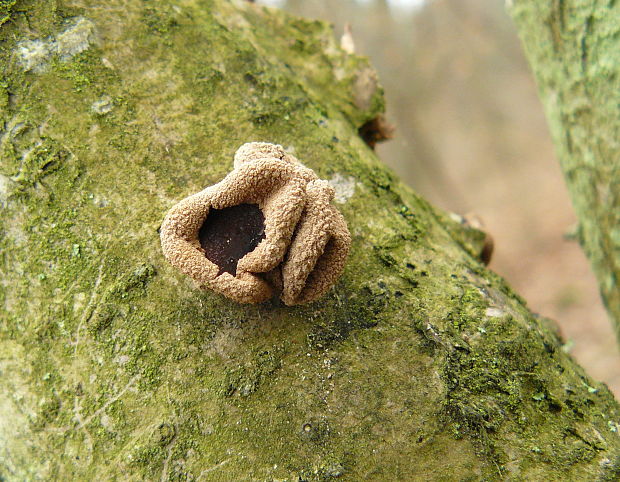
point(572, 47)
point(420, 364)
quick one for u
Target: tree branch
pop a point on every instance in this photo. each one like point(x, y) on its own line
point(420, 363)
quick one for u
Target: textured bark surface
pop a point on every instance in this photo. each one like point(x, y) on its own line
point(574, 51)
point(419, 364)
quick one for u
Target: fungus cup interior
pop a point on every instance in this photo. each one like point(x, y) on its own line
point(228, 234)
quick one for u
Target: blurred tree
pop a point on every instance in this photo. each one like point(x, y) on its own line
point(574, 51)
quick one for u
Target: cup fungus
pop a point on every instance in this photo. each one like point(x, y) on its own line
point(266, 229)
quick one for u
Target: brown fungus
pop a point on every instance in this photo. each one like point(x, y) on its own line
point(267, 228)
point(376, 130)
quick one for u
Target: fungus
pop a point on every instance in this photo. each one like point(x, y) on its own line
point(485, 252)
point(376, 130)
point(268, 228)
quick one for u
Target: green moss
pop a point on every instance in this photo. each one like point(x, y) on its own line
point(333, 325)
point(134, 281)
point(42, 160)
point(5, 10)
point(161, 371)
point(159, 20)
point(164, 434)
point(48, 412)
point(244, 380)
point(468, 311)
point(147, 457)
point(611, 470)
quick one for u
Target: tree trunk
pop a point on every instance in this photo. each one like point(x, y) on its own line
point(572, 46)
point(420, 364)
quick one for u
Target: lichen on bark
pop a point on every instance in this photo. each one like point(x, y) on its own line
point(420, 363)
point(572, 46)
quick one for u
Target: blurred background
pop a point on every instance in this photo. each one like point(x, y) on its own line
point(472, 137)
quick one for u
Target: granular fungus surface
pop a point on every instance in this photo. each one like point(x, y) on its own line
point(267, 229)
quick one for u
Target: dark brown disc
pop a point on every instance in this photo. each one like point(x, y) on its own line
point(228, 234)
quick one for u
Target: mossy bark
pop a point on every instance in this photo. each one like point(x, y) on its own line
point(420, 363)
point(574, 51)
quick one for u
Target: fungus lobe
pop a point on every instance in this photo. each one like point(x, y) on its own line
point(228, 234)
point(267, 229)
